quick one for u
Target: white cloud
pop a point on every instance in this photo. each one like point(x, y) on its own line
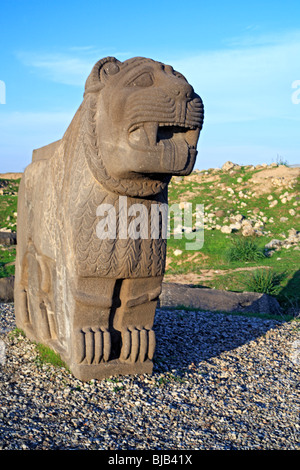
point(20, 133)
point(71, 67)
point(247, 90)
point(61, 68)
point(247, 82)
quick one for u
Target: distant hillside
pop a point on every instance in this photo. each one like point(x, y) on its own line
point(10, 176)
point(244, 206)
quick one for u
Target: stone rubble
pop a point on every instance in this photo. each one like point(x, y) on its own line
point(220, 382)
point(253, 222)
point(292, 240)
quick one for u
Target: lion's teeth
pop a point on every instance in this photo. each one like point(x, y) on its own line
point(151, 131)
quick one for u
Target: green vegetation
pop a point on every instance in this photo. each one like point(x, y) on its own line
point(264, 281)
point(8, 203)
point(46, 355)
point(244, 249)
point(7, 258)
point(8, 220)
point(168, 377)
point(17, 332)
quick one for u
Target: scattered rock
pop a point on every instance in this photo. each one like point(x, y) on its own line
point(220, 382)
point(292, 240)
point(228, 166)
point(7, 289)
point(273, 244)
point(248, 231)
point(8, 238)
point(226, 229)
point(235, 226)
point(177, 179)
point(220, 213)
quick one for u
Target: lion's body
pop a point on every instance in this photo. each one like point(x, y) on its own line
point(93, 298)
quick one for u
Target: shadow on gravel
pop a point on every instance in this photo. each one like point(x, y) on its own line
point(186, 337)
point(289, 296)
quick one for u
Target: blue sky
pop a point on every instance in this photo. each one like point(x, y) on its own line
point(242, 58)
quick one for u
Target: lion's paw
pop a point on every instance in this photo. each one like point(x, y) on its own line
point(138, 344)
point(93, 345)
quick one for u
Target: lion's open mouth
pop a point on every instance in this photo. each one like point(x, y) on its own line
point(176, 142)
point(151, 133)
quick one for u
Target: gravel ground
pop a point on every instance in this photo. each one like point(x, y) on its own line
point(220, 382)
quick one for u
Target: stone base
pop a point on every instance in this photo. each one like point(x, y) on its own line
point(86, 372)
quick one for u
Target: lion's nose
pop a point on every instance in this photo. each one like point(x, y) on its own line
point(182, 90)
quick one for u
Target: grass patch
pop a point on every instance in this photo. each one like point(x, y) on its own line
point(7, 258)
point(244, 249)
point(265, 281)
point(8, 203)
point(168, 378)
point(46, 355)
point(16, 332)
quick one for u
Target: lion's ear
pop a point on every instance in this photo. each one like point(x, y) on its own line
point(100, 73)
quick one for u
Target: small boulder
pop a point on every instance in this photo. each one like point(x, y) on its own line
point(228, 166)
point(273, 244)
point(226, 229)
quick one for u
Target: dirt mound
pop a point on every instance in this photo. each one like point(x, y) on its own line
point(10, 176)
point(265, 181)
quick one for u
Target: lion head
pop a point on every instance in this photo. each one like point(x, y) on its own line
point(142, 123)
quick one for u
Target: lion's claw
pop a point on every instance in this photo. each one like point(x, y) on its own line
point(137, 344)
point(94, 345)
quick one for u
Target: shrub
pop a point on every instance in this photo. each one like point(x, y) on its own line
point(264, 281)
point(244, 249)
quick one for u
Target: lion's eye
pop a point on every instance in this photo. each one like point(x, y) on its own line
point(143, 80)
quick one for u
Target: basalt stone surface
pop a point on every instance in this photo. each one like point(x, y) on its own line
point(8, 238)
point(89, 273)
point(213, 300)
point(7, 289)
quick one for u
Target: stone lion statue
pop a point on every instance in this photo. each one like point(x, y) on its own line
point(89, 295)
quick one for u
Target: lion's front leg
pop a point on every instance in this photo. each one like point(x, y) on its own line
point(135, 316)
point(92, 336)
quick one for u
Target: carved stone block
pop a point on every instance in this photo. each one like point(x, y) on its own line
point(86, 288)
